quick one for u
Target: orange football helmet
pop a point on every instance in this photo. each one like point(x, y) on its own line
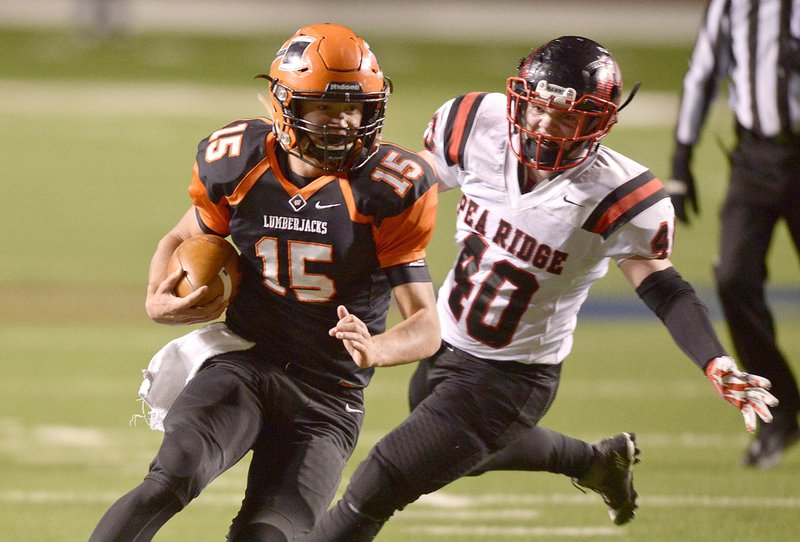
point(327, 62)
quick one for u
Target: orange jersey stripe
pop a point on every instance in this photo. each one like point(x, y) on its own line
point(214, 216)
point(290, 188)
point(394, 242)
point(350, 201)
point(248, 181)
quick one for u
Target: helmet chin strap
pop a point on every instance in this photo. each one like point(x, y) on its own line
point(321, 157)
point(635, 89)
point(540, 154)
point(548, 154)
point(312, 153)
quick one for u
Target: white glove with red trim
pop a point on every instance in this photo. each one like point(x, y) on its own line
point(746, 392)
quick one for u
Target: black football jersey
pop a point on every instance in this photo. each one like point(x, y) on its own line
point(343, 239)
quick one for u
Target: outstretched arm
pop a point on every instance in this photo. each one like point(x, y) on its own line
point(415, 338)
point(676, 303)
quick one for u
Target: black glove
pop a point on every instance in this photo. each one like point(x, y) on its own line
point(681, 184)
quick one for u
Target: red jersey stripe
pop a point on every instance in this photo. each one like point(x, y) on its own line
point(460, 124)
point(626, 204)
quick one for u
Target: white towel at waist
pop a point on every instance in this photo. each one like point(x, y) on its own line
point(177, 363)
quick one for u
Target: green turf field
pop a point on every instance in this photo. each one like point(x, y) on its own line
point(96, 147)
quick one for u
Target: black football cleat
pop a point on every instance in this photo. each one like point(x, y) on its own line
point(611, 476)
point(773, 439)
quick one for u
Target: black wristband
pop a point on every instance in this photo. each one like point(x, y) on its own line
point(676, 303)
point(408, 272)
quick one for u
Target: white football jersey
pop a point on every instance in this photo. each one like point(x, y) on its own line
point(527, 261)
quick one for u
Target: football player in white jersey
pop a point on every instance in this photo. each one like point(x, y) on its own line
point(544, 208)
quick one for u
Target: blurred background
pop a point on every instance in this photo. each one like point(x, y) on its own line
point(102, 104)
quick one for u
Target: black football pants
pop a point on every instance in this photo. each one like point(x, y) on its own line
point(301, 437)
point(764, 189)
point(466, 412)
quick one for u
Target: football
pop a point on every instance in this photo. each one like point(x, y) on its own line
point(207, 260)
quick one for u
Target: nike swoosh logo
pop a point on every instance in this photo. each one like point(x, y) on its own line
point(328, 206)
point(348, 408)
point(572, 202)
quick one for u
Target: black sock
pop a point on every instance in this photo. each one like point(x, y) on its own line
point(541, 450)
point(343, 523)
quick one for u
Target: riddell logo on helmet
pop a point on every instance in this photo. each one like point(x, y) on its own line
point(559, 95)
point(344, 87)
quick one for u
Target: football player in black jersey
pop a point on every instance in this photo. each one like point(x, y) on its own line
point(330, 222)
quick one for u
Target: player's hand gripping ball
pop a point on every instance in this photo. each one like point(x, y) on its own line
point(207, 260)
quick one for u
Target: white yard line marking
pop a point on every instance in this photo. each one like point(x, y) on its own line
point(449, 500)
point(71, 437)
point(128, 98)
point(41, 496)
point(419, 512)
point(486, 531)
point(512, 505)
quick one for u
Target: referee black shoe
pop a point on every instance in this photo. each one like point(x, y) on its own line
point(611, 476)
point(766, 450)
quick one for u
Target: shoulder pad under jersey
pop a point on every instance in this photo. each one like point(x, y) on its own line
point(624, 203)
point(393, 179)
point(457, 126)
point(225, 157)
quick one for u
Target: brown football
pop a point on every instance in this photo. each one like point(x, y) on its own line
point(207, 260)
